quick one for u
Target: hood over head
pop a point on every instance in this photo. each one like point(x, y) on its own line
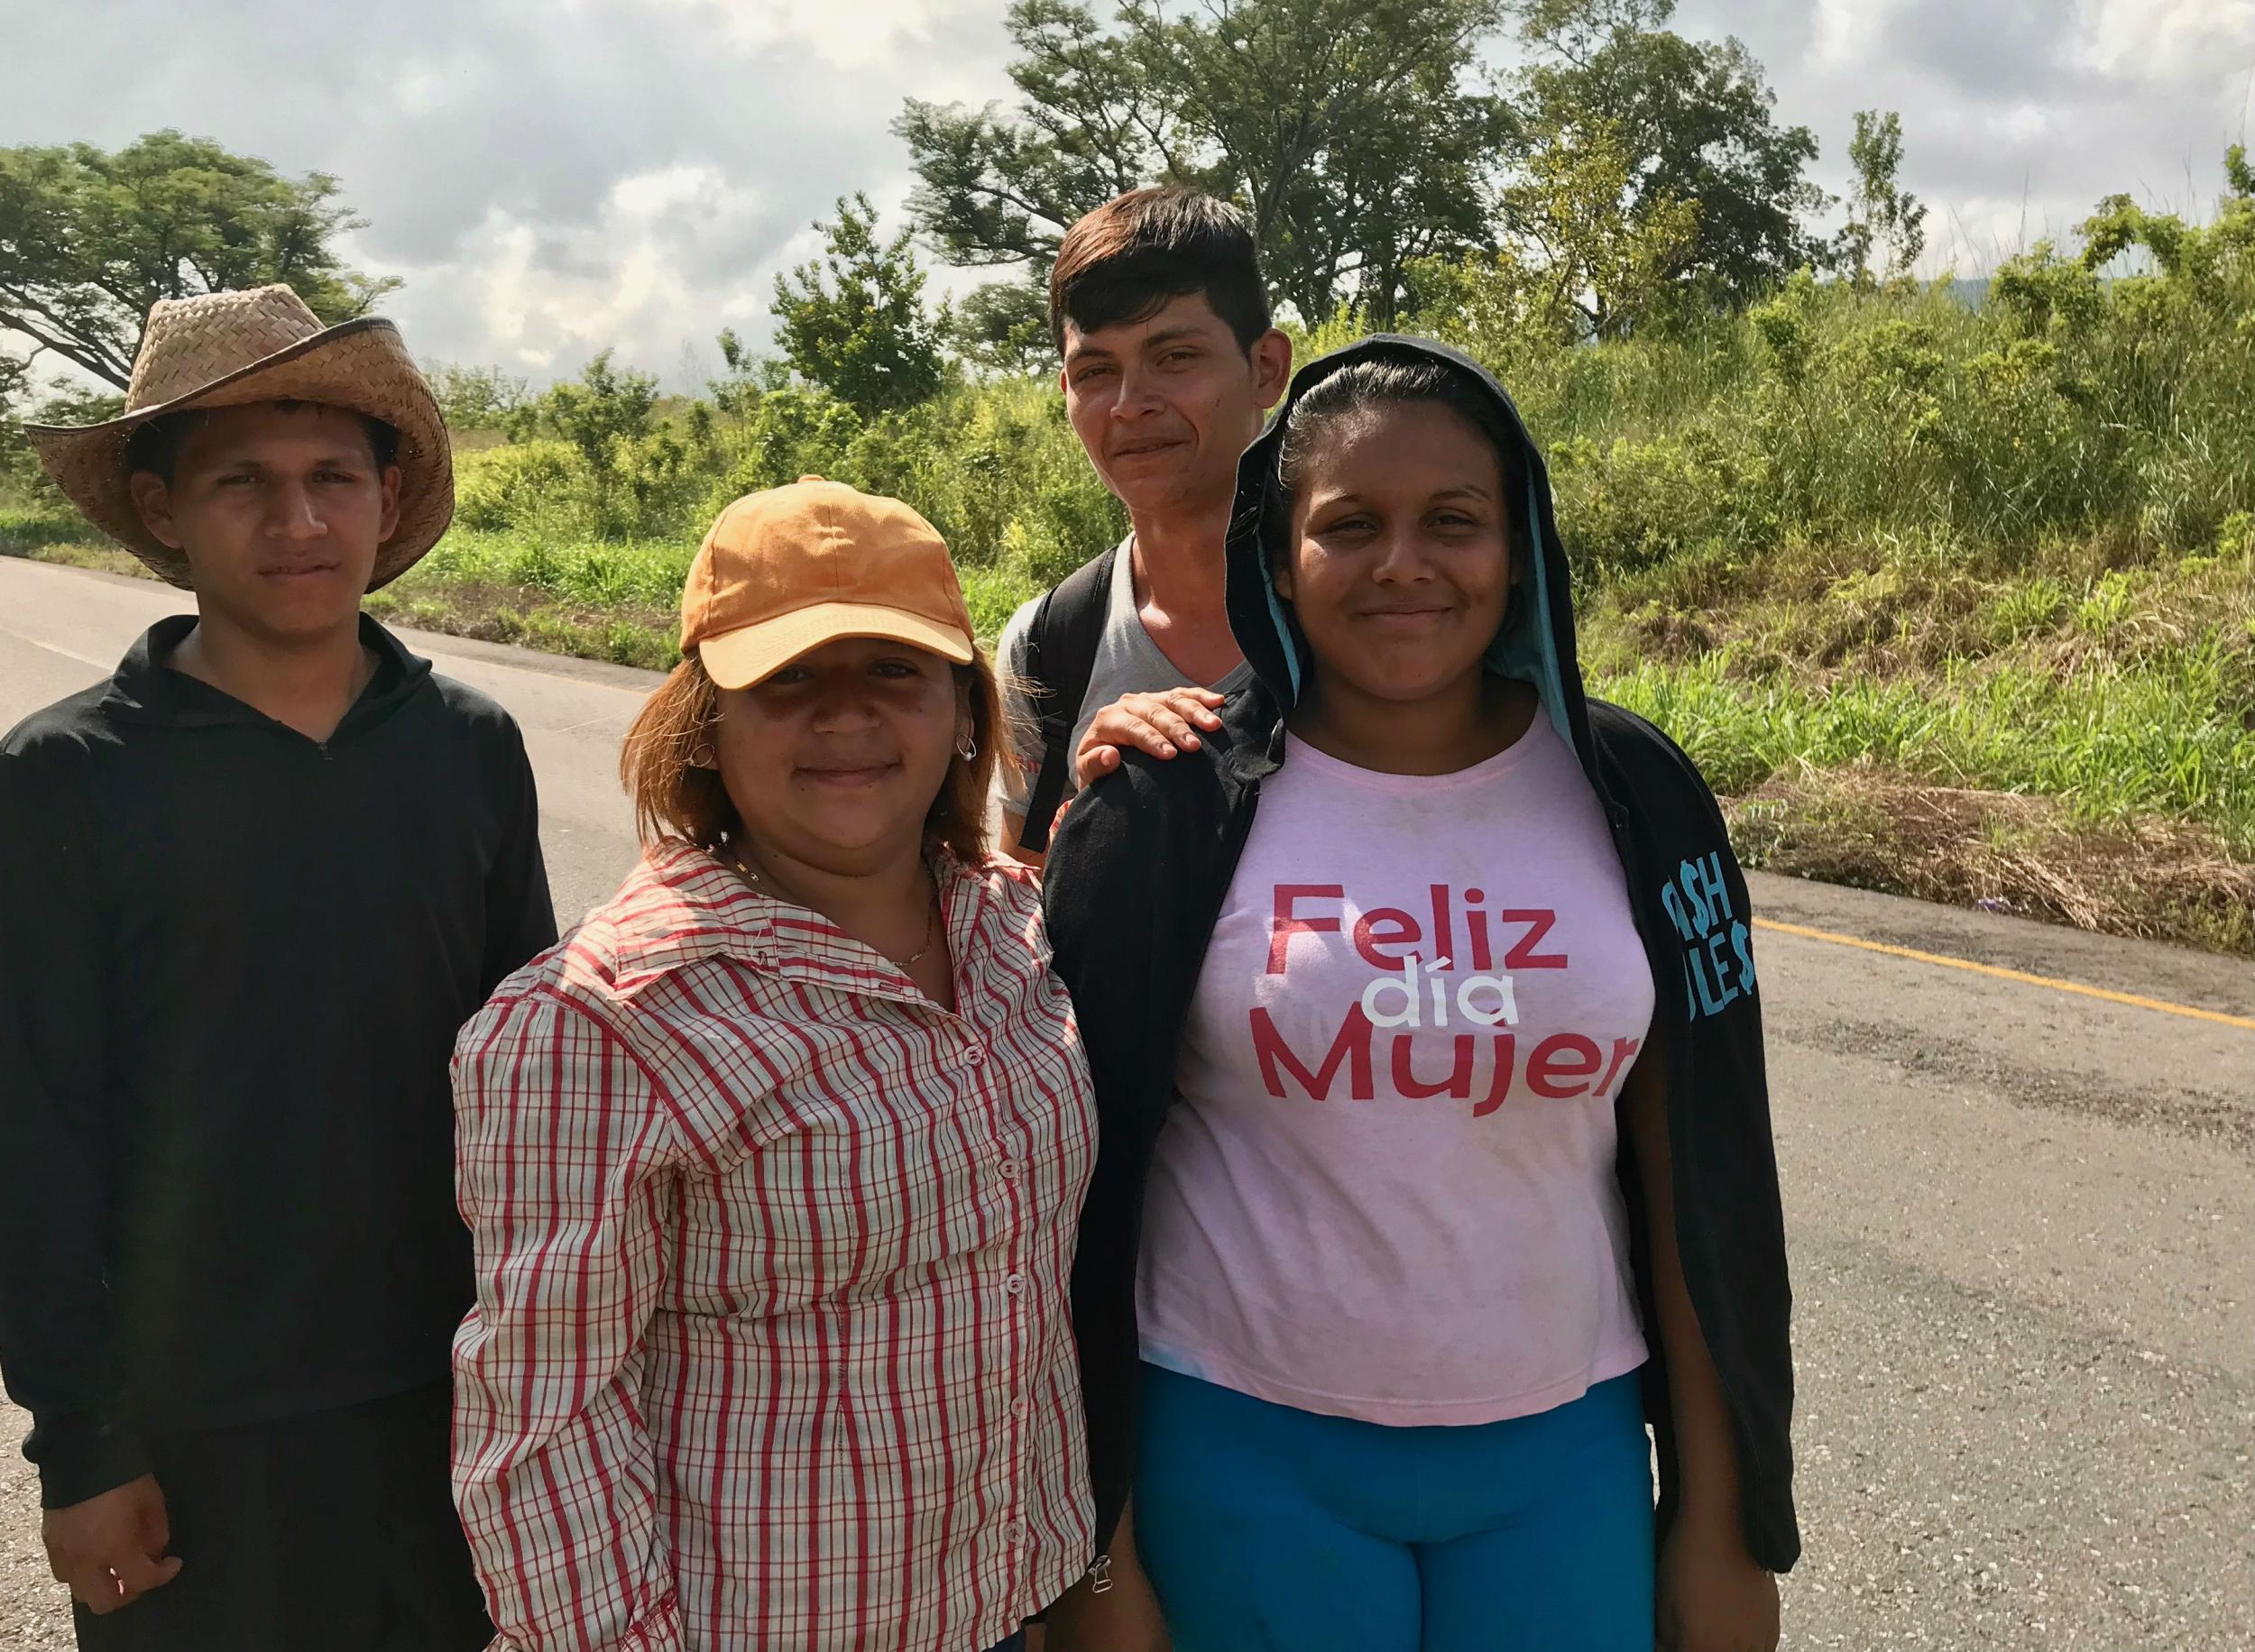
point(1536, 642)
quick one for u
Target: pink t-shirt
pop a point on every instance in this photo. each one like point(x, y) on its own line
point(1386, 1188)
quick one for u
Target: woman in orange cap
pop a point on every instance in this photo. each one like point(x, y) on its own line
point(774, 1163)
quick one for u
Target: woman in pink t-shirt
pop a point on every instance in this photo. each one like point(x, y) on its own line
point(1434, 1136)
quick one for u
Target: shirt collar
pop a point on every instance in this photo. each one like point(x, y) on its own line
point(145, 688)
point(684, 904)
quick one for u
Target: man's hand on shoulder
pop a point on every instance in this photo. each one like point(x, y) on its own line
point(110, 1550)
point(1160, 723)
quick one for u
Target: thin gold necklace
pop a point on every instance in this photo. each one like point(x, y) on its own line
point(768, 886)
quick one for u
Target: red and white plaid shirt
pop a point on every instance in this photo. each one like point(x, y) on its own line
point(771, 1346)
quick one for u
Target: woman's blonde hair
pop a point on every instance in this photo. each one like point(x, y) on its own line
point(672, 769)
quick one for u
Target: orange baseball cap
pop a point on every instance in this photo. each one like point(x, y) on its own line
point(786, 569)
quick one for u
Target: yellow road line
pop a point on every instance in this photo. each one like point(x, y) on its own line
point(1912, 953)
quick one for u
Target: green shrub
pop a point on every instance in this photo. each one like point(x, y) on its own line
point(28, 527)
point(530, 482)
point(1634, 504)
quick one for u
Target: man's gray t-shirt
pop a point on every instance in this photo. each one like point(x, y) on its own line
point(1127, 662)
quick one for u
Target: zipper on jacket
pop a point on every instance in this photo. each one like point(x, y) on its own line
point(1100, 1575)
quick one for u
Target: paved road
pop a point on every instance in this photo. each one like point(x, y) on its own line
point(2022, 1223)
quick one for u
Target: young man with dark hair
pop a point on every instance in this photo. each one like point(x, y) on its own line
point(1171, 362)
point(254, 882)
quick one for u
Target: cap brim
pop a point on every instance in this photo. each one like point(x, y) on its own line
point(753, 652)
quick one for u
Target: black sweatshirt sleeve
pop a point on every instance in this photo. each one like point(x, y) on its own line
point(1125, 902)
point(57, 1349)
point(519, 918)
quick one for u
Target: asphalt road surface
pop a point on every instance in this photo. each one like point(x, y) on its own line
point(2022, 1221)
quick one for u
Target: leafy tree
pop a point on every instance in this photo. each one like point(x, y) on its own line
point(1575, 30)
point(855, 323)
point(1581, 263)
point(1696, 118)
point(15, 377)
point(1880, 212)
point(1344, 129)
point(1002, 327)
point(89, 239)
point(75, 404)
point(606, 406)
point(605, 415)
point(746, 377)
point(475, 398)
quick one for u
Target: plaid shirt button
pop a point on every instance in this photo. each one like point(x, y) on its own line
point(1015, 1284)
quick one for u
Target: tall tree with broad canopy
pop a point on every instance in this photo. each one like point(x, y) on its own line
point(90, 238)
point(1697, 120)
point(1576, 262)
point(1352, 134)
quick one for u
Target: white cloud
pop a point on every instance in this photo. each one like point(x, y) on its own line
point(637, 276)
point(1844, 30)
point(860, 34)
point(2166, 41)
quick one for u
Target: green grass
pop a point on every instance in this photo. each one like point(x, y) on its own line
point(623, 574)
point(2121, 691)
point(41, 532)
point(2114, 743)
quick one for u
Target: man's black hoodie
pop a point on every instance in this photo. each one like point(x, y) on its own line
point(1138, 876)
point(232, 961)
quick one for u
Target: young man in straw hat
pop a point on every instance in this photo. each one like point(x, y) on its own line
point(254, 881)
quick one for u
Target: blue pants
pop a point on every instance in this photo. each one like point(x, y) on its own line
point(1265, 1528)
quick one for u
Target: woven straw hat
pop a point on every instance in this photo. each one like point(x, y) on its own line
point(223, 349)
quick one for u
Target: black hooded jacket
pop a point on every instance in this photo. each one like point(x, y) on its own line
point(1138, 874)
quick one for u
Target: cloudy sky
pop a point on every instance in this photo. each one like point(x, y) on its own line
point(553, 176)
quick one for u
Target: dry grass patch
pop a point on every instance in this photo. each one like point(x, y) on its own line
point(1874, 828)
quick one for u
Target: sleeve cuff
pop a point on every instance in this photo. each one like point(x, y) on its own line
point(78, 1459)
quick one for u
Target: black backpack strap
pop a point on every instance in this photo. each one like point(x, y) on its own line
point(1061, 644)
